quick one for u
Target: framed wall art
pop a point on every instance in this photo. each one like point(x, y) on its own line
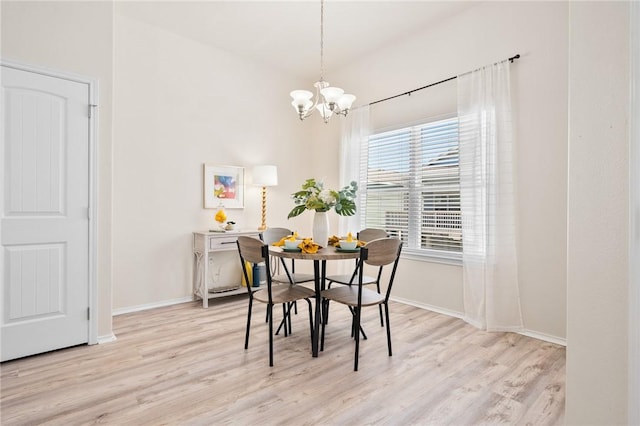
point(223, 185)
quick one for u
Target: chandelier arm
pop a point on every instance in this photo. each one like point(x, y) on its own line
point(310, 111)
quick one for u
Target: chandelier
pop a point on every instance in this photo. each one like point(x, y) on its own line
point(329, 100)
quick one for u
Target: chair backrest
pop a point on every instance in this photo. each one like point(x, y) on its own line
point(253, 250)
point(382, 252)
point(273, 235)
point(370, 234)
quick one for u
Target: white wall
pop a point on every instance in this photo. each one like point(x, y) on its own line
point(74, 37)
point(598, 231)
point(634, 222)
point(180, 104)
point(486, 33)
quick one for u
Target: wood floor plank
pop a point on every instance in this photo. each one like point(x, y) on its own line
point(181, 365)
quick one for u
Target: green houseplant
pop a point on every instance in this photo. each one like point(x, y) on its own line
point(313, 196)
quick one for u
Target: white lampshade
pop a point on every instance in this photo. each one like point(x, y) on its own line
point(332, 94)
point(325, 111)
point(265, 175)
point(301, 97)
point(345, 102)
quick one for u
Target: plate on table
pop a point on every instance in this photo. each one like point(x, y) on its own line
point(293, 250)
point(341, 250)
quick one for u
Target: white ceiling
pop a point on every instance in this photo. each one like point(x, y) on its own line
point(286, 34)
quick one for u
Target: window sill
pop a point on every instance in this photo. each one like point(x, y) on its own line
point(432, 257)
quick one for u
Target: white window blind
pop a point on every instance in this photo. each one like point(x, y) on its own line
point(412, 186)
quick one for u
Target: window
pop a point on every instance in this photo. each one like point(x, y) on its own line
point(411, 187)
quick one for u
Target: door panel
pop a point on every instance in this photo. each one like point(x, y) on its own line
point(35, 276)
point(34, 151)
point(44, 224)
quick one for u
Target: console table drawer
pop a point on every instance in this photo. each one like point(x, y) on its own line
point(222, 243)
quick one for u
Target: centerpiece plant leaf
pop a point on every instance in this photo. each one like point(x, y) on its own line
point(313, 196)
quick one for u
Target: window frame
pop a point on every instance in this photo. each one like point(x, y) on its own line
point(410, 251)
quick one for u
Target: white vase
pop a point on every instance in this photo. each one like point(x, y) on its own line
point(321, 228)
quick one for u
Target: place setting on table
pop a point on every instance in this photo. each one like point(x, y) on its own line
point(295, 244)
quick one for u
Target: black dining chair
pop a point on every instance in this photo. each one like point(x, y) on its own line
point(366, 235)
point(378, 253)
point(254, 251)
point(281, 273)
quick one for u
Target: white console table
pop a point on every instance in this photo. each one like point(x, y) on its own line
point(217, 249)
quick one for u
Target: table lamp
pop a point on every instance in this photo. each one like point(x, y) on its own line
point(265, 176)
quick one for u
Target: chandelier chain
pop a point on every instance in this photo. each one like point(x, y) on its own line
point(321, 40)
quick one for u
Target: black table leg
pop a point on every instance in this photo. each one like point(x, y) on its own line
point(316, 324)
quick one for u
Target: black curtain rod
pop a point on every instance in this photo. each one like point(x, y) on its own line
point(511, 59)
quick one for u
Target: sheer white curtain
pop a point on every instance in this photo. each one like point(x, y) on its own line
point(355, 132)
point(490, 271)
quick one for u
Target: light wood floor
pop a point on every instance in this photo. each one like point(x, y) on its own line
point(186, 365)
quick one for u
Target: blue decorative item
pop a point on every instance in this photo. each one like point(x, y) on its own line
point(256, 275)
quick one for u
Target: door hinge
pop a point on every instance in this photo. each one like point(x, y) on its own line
point(88, 314)
point(91, 106)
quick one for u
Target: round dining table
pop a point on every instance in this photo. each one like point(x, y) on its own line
point(320, 272)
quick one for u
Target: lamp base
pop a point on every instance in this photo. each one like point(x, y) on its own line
point(263, 222)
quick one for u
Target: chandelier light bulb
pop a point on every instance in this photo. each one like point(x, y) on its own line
point(302, 106)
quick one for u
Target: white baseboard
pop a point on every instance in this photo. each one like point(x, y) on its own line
point(146, 306)
point(529, 333)
point(428, 307)
point(108, 338)
point(545, 337)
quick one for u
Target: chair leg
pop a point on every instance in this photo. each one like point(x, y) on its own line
point(325, 311)
point(386, 311)
point(353, 320)
point(380, 306)
point(325, 315)
point(246, 335)
point(353, 324)
point(364, 336)
point(310, 319)
point(357, 326)
point(286, 320)
point(285, 314)
point(270, 311)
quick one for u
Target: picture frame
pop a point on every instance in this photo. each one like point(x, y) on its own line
point(223, 186)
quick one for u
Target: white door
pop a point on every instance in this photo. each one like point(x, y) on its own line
point(44, 205)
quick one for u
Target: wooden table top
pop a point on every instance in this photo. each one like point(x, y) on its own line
point(327, 253)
